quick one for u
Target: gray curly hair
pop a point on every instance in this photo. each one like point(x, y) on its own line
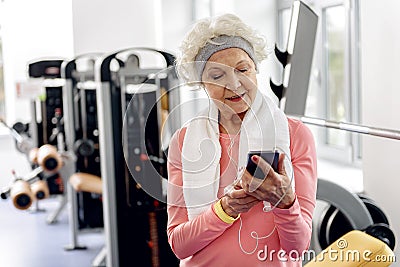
point(202, 34)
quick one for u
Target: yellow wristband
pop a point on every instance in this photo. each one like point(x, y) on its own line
point(222, 214)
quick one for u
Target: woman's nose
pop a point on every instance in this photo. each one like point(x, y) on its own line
point(233, 82)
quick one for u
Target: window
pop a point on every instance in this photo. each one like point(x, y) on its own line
point(334, 70)
point(334, 88)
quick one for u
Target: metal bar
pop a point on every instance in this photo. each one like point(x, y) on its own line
point(100, 259)
point(13, 132)
point(52, 217)
point(33, 174)
point(33, 126)
point(351, 127)
point(73, 220)
point(103, 93)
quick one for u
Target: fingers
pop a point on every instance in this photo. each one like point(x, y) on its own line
point(273, 188)
point(246, 207)
point(240, 197)
point(237, 193)
point(237, 201)
point(236, 206)
point(265, 167)
point(243, 201)
point(245, 181)
point(251, 184)
point(281, 164)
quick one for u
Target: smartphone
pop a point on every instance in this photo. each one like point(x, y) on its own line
point(272, 157)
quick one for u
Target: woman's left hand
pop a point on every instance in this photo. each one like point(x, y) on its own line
point(276, 185)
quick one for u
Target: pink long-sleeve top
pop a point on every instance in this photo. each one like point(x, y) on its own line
point(208, 241)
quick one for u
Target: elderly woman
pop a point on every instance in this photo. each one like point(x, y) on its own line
point(219, 214)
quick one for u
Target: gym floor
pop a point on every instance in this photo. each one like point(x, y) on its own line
point(25, 237)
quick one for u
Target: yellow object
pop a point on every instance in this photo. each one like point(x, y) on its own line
point(355, 249)
point(222, 214)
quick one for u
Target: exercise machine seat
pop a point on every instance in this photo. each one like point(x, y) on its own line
point(85, 182)
point(355, 249)
point(48, 158)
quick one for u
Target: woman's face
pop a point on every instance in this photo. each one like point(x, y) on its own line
point(230, 80)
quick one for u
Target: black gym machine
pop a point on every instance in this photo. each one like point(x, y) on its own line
point(81, 131)
point(49, 121)
point(133, 162)
point(41, 140)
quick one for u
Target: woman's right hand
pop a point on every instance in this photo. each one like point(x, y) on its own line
point(237, 201)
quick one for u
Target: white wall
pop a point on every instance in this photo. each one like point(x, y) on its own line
point(380, 45)
point(31, 30)
point(107, 26)
point(66, 28)
point(176, 21)
point(262, 16)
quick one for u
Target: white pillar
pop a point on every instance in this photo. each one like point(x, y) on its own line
point(380, 43)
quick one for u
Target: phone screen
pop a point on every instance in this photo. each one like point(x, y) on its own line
point(272, 157)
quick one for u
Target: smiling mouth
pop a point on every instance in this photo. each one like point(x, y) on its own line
point(235, 97)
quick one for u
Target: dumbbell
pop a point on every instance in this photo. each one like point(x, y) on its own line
point(49, 159)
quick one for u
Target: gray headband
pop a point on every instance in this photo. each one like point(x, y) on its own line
point(220, 43)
